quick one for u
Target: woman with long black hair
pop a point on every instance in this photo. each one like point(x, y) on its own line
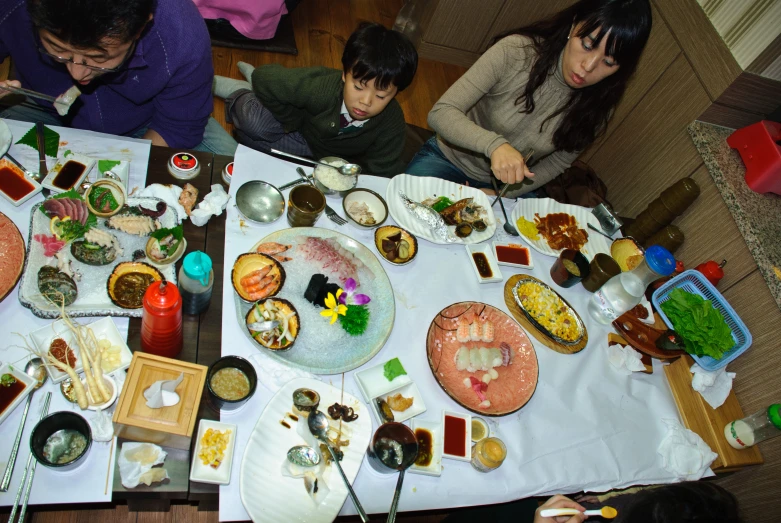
point(549, 87)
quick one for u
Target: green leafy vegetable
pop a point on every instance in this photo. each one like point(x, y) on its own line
point(107, 165)
point(393, 369)
point(442, 203)
point(72, 229)
point(6, 380)
point(161, 234)
point(51, 140)
point(100, 196)
point(702, 327)
point(355, 320)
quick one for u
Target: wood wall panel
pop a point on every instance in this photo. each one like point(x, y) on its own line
point(462, 24)
point(660, 51)
point(729, 116)
point(440, 53)
point(516, 14)
point(651, 149)
point(752, 93)
point(712, 234)
point(709, 56)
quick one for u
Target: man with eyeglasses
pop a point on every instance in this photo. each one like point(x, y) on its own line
point(144, 68)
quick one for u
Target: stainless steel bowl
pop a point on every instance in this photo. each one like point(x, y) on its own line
point(323, 188)
point(260, 202)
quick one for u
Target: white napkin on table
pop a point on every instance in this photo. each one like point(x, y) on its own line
point(169, 193)
point(136, 461)
point(163, 393)
point(212, 205)
point(624, 360)
point(274, 374)
point(684, 453)
point(713, 386)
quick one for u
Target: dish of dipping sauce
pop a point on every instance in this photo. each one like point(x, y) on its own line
point(69, 174)
point(14, 184)
point(230, 383)
point(425, 447)
point(483, 267)
point(455, 435)
point(515, 254)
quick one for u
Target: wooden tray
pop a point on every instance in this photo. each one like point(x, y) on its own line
point(168, 426)
point(541, 336)
point(643, 337)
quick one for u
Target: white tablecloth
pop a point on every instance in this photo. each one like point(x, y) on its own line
point(587, 427)
point(86, 484)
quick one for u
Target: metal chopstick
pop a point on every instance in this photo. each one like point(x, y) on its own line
point(27, 92)
point(526, 159)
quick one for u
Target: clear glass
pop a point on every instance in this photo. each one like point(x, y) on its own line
point(750, 430)
point(621, 293)
point(488, 454)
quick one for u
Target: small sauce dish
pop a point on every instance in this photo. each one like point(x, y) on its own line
point(513, 255)
point(457, 435)
point(484, 263)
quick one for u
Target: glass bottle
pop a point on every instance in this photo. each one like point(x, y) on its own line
point(161, 322)
point(488, 454)
point(196, 279)
point(623, 291)
point(750, 430)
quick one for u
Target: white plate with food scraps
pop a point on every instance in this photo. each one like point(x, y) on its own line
point(269, 496)
point(419, 188)
point(528, 207)
point(93, 299)
point(104, 329)
point(374, 385)
point(221, 475)
point(69, 161)
point(23, 382)
point(434, 468)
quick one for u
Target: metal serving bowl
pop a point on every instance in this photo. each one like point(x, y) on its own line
point(323, 188)
point(260, 202)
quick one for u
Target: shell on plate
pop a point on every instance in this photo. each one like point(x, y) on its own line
point(284, 312)
point(56, 285)
point(251, 262)
point(92, 253)
point(128, 283)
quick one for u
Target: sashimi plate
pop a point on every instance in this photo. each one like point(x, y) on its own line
point(419, 188)
point(516, 382)
point(321, 347)
point(528, 207)
point(269, 496)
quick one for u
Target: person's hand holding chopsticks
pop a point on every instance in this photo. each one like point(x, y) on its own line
point(9, 83)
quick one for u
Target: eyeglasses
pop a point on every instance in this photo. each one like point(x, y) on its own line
point(62, 60)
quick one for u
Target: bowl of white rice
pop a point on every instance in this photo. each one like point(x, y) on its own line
point(330, 180)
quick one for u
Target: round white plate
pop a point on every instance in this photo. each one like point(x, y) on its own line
point(528, 207)
point(418, 188)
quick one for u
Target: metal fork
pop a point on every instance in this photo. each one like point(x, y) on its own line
point(338, 220)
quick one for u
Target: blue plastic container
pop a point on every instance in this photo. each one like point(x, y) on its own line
point(694, 282)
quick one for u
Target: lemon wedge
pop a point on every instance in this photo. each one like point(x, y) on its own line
point(55, 226)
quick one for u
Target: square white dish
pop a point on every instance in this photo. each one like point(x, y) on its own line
point(468, 441)
point(373, 382)
point(18, 373)
point(68, 156)
point(435, 467)
point(36, 186)
point(510, 264)
point(204, 473)
point(487, 250)
point(104, 329)
point(410, 390)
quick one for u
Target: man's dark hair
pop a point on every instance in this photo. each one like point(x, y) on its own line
point(375, 53)
point(84, 24)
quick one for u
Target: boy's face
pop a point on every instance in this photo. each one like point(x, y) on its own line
point(362, 98)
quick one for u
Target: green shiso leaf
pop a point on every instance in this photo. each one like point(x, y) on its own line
point(51, 140)
point(107, 165)
point(177, 232)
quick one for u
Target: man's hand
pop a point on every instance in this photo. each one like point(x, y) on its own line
point(559, 501)
point(9, 83)
point(508, 165)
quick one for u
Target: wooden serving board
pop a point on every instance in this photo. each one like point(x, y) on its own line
point(643, 337)
point(541, 336)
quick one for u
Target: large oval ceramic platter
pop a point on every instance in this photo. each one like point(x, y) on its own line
point(516, 382)
point(267, 494)
point(11, 254)
point(322, 347)
point(528, 207)
point(419, 188)
point(93, 298)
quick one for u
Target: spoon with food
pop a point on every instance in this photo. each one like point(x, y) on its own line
point(348, 169)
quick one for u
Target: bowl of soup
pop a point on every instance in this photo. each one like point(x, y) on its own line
point(231, 382)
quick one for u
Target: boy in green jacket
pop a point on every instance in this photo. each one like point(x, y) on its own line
point(318, 112)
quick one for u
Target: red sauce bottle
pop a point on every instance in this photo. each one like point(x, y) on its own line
point(161, 323)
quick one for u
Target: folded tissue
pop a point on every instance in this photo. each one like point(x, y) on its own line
point(684, 453)
point(136, 462)
point(101, 426)
point(713, 386)
point(625, 360)
point(163, 393)
point(212, 205)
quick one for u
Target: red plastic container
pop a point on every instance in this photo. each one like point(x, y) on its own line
point(161, 323)
point(758, 145)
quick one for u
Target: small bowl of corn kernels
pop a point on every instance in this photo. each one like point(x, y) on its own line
point(213, 456)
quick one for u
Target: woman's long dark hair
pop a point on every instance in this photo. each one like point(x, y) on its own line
point(627, 24)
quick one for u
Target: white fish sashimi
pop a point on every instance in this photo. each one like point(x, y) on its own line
point(475, 363)
point(485, 358)
point(462, 358)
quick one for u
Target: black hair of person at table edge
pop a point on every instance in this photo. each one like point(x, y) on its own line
point(551, 86)
point(319, 112)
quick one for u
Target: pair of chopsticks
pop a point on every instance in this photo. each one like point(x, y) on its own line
point(29, 472)
point(27, 92)
point(526, 159)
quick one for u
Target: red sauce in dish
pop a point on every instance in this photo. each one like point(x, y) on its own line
point(513, 254)
point(14, 184)
point(455, 436)
point(68, 175)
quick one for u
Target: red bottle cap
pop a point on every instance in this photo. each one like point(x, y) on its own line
point(162, 297)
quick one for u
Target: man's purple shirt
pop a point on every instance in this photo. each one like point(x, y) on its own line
point(165, 84)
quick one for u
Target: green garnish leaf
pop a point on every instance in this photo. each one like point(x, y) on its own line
point(6, 380)
point(72, 229)
point(177, 232)
point(107, 165)
point(442, 203)
point(393, 369)
point(700, 325)
point(51, 140)
point(355, 320)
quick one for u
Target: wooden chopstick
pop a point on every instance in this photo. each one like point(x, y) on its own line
point(110, 459)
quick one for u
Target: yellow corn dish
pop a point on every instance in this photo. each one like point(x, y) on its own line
point(527, 228)
point(547, 309)
point(213, 445)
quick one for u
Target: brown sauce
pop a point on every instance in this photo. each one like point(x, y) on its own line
point(9, 393)
point(425, 447)
point(68, 175)
point(14, 184)
point(507, 254)
point(292, 416)
point(284, 424)
point(483, 267)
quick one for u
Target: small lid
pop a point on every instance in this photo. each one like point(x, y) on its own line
point(229, 169)
point(660, 260)
point(162, 296)
point(774, 414)
point(197, 266)
point(184, 161)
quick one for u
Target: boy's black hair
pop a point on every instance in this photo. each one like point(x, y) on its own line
point(84, 24)
point(375, 53)
point(690, 502)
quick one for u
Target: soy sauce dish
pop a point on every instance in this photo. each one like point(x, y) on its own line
point(61, 441)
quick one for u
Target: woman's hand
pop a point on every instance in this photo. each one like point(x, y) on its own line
point(9, 83)
point(508, 165)
point(559, 501)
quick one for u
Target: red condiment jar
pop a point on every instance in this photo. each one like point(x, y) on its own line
point(712, 271)
point(161, 323)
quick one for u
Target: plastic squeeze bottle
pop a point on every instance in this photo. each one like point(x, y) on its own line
point(750, 430)
point(161, 323)
point(196, 279)
point(623, 291)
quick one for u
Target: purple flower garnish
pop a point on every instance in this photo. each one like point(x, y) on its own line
point(349, 297)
